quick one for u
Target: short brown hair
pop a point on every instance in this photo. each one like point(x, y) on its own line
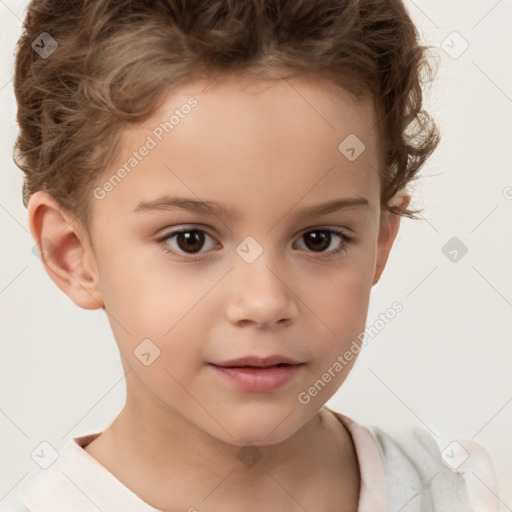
point(116, 59)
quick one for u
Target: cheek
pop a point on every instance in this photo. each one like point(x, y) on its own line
point(340, 303)
point(341, 295)
point(165, 304)
point(146, 291)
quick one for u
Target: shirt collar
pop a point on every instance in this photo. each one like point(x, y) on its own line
point(372, 494)
point(77, 481)
point(76, 478)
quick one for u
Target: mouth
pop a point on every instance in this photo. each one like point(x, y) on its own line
point(257, 362)
point(256, 374)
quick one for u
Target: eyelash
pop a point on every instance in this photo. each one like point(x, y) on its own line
point(342, 249)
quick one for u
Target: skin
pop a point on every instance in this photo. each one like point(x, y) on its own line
point(266, 149)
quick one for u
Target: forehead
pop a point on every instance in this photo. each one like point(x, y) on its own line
point(291, 107)
point(252, 142)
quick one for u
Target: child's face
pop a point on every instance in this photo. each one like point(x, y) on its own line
point(266, 151)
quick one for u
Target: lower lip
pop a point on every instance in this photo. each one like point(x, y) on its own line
point(258, 380)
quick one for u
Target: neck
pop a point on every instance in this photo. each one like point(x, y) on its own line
point(172, 465)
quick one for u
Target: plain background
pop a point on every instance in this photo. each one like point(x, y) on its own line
point(443, 362)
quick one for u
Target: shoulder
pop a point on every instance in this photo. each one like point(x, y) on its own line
point(9, 505)
point(424, 470)
point(49, 488)
point(77, 482)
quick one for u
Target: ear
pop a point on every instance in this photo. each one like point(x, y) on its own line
point(65, 250)
point(389, 224)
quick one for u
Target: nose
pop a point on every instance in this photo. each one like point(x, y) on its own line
point(261, 294)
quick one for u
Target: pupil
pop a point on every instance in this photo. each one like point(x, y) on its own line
point(194, 239)
point(324, 238)
point(191, 241)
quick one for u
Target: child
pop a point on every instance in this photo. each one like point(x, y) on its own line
point(252, 131)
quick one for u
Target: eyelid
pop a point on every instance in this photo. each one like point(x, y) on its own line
point(169, 231)
point(161, 241)
point(344, 233)
point(347, 240)
point(201, 227)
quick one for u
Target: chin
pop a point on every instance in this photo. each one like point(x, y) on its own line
point(256, 438)
point(261, 427)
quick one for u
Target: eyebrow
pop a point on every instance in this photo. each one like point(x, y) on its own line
point(167, 202)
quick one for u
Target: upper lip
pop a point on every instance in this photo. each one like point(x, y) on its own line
point(259, 362)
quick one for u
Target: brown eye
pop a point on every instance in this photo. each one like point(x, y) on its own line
point(185, 241)
point(190, 241)
point(318, 240)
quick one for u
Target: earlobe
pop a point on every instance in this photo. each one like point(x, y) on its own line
point(389, 225)
point(65, 252)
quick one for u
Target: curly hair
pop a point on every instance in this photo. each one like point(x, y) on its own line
point(116, 59)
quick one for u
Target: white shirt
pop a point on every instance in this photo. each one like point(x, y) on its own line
point(77, 482)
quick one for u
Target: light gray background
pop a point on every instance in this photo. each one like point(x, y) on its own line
point(443, 362)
